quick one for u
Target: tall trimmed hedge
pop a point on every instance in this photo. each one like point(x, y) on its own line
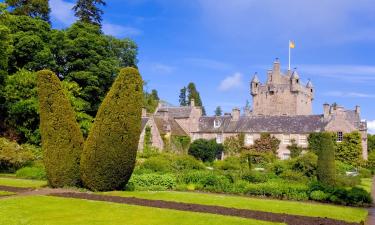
point(323, 144)
point(62, 140)
point(108, 157)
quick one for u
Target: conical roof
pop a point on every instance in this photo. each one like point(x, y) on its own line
point(309, 84)
point(255, 78)
point(295, 75)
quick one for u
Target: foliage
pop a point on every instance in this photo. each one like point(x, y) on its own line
point(234, 144)
point(347, 181)
point(294, 149)
point(229, 163)
point(33, 8)
point(288, 190)
point(109, 153)
point(14, 156)
point(157, 164)
point(87, 11)
point(156, 182)
point(147, 140)
point(266, 143)
point(192, 94)
point(371, 142)
point(205, 150)
point(350, 149)
point(305, 164)
point(150, 101)
point(32, 173)
point(371, 160)
point(62, 140)
point(218, 111)
point(182, 97)
point(323, 144)
point(319, 195)
point(254, 177)
point(180, 144)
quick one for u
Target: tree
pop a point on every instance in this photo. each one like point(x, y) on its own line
point(266, 144)
point(154, 94)
point(294, 149)
point(62, 140)
point(194, 94)
point(33, 8)
point(88, 11)
point(205, 150)
point(350, 149)
point(218, 111)
point(109, 154)
point(182, 97)
point(324, 145)
point(370, 142)
point(234, 144)
point(125, 50)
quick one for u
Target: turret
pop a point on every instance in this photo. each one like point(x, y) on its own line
point(294, 79)
point(254, 85)
point(310, 88)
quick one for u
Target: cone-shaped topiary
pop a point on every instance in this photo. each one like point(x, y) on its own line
point(108, 157)
point(62, 140)
point(325, 147)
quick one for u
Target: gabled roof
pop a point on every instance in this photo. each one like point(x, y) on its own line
point(259, 124)
point(176, 112)
point(171, 125)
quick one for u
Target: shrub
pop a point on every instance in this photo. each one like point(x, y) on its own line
point(350, 149)
point(109, 154)
point(206, 180)
point(278, 167)
point(186, 162)
point(358, 196)
point(14, 156)
point(152, 181)
point(32, 173)
point(342, 167)
point(294, 149)
point(347, 181)
point(157, 164)
point(254, 177)
point(279, 189)
point(371, 159)
point(364, 173)
point(319, 195)
point(292, 175)
point(266, 143)
point(324, 146)
point(62, 140)
point(229, 163)
point(205, 150)
point(305, 164)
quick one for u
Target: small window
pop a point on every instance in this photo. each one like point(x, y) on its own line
point(286, 139)
point(340, 136)
point(302, 140)
point(249, 139)
point(217, 123)
point(219, 138)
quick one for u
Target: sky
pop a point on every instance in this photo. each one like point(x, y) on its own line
point(220, 44)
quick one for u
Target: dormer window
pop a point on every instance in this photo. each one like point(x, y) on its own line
point(217, 123)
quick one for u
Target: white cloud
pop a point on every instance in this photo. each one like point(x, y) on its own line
point(208, 63)
point(161, 68)
point(349, 94)
point(119, 30)
point(62, 11)
point(230, 82)
point(371, 126)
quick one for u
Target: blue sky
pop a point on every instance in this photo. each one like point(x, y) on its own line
point(219, 44)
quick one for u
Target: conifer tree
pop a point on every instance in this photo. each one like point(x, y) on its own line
point(108, 157)
point(33, 8)
point(218, 111)
point(194, 94)
point(62, 140)
point(88, 11)
point(182, 97)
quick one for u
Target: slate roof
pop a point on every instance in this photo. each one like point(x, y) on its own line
point(176, 112)
point(165, 125)
point(259, 124)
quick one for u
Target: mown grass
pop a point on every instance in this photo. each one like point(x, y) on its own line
point(13, 182)
point(5, 193)
point(366, 183)
point(58, 211)
point(277, 206)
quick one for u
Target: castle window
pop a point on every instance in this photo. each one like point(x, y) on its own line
point(249, 139)
point(286, 139)
point(302, 140)
point(217, 123)
point(340, 136)
point(219, 138)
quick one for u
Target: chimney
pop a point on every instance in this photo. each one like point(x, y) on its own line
point(358, 109)
point(144, 112)
point(326, 110)
point(192, 102)
point(276, 65)
point(236, 114)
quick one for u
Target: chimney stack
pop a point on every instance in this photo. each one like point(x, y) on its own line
point(276, 65)
point(236, 114)
point(326, 110)
point(358, 109)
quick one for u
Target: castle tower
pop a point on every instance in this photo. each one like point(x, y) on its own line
point(281, 94)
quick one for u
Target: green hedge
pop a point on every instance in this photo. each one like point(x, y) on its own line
point(62, 140)
point(155, 182)
point(110, 150)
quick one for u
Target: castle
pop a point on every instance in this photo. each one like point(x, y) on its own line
point(282, 106)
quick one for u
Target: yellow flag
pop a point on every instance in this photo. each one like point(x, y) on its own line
point(291, 44)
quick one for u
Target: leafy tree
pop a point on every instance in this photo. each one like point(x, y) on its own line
point(266, 143)
point(154, 94)
point(218, 111)
point(182, 97)
point(325, 147)
point(205, 150)
point(109, 154)
point(62, 140)
point(125, 50)
point(370, 142)
point(192, 93)
point(234, 144)
point(20, 93)
point(34, 8)
point(150, 101)
point(350, 149)
point(294, 149)
point(14, 156)
point(88, 11)
point(371, 160)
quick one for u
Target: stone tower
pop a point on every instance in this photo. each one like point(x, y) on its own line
point(282, 94)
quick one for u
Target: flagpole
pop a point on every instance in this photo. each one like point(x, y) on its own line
point(289, 55)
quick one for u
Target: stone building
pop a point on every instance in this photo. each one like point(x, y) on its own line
point(282, 107)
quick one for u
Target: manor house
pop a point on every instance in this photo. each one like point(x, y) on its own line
point(281, 106)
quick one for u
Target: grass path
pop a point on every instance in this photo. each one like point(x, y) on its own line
point(25, 183)
point(276, 206)
point(33, 210)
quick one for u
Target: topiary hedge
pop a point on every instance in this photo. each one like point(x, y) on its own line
point(62, 140)
point(108, 157)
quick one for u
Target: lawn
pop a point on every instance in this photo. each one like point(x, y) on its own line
point(277, 206)
point(5, 193)
point(366, 183)
point(13, 182)
point(54, 210)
